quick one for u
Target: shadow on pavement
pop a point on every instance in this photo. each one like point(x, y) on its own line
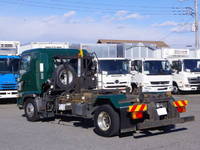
point(76, 121)
point(8, 101)
point(148, 133)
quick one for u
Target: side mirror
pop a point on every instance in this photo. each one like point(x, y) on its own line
point(104, 73)
point(132, 68)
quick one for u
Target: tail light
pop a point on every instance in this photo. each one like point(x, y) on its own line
point(180, 105)
point(137, 110)
point(137, 115)
point(181, 109)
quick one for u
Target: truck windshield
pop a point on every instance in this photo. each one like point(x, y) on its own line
point(9, 65)
point(192, 65)
point(157, 67)
point(114, 66)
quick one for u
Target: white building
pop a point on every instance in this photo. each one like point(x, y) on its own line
point(9, 47)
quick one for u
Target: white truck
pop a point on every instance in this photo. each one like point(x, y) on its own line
point(151, 75)
point(185, 64)
point(186, 74)
point(114, 73)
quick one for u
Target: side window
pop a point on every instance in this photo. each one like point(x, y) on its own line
point(25, 63)
point(136, 65)
point(176, 65)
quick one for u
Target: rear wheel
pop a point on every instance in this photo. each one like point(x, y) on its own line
point(30, 110)
point(106, 121)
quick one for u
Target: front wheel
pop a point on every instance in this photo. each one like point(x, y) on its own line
point(30, 110)
point(175, 89)
point(135, 90)
point(106, 121)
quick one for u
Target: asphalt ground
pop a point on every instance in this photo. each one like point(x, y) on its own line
point(16, 133)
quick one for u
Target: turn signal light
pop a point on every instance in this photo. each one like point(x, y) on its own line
point(181, 109)
point(137, 115)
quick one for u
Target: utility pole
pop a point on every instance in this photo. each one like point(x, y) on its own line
point(196, 24)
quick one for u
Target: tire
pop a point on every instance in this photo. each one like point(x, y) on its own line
point(65, 77)
point(175, 89)
point(135, 90)
point(106, 121)
point(31, 111)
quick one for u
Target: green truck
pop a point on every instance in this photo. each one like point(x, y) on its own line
point(63, 82)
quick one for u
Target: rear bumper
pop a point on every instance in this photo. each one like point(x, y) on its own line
point(166, 122)
point(127, 124)
point(9, 94)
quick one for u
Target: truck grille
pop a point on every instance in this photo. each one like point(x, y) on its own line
point(115, 83)
point(160, 82)
point(116, 86)
point(194, 80)
point(8, 86)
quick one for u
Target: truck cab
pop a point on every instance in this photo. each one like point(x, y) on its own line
point(114, 73)
point(151, 75)
point(186, 74)
point(8, 76)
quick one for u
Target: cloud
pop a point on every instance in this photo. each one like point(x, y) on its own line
point(184, 27)
point(69, 14)
point(122, 15)
point(166, 23)
point(173, 26)
point(133, 16)
point(73, 29)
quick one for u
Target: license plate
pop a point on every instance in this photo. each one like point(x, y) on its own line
point(161, 111)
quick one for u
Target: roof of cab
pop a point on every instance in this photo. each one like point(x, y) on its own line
point(49, 50)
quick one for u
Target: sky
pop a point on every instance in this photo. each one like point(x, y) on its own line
point(79, 21)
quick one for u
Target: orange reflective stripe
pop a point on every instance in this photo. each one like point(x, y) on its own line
point(180, 103)
point(142, 107)
point(137, 108)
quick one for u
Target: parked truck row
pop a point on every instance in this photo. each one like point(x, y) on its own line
point(176, 72)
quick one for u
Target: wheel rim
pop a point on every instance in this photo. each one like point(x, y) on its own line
point(30, 110)
point(175, 89)
point(104, 121)
point(66, 77)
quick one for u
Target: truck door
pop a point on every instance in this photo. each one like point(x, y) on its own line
point(177, 68)
point(136, 70)
point(25, 73)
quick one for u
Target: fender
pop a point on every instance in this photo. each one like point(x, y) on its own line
point(117, 100)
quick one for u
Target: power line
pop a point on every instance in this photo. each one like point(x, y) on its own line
point(78, 7)
point(172, 32)
point(114, 4)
